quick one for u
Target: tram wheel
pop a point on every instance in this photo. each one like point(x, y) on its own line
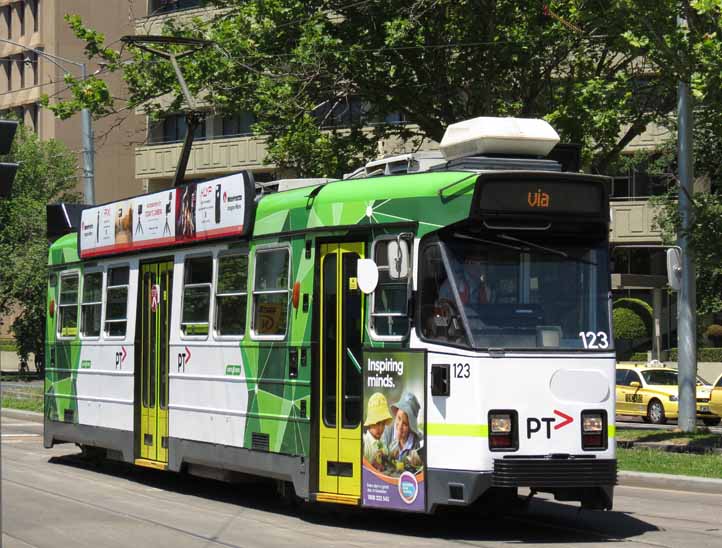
point(655, 412)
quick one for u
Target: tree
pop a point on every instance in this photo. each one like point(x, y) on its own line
point(599, 72)
point(47, 174)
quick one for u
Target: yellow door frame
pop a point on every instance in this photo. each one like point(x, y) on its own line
point(339, 447)
point(154, 340)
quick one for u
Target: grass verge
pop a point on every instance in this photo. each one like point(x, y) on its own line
point(660, 462)
point(668, 436)
point(25, 404)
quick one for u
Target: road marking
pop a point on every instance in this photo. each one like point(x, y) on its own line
point(21, 424)
point(20, 435)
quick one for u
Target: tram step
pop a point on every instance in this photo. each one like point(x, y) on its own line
point(336, 498)
point(156, 465)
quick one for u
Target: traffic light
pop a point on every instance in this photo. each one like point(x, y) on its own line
point(7, 170)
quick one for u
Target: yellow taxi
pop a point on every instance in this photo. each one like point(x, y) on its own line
point(715, 400)
point(651, 392)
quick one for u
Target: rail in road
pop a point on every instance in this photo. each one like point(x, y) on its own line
point(54, 497)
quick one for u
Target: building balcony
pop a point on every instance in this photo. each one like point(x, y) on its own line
point(633, 223)
point(208, 158)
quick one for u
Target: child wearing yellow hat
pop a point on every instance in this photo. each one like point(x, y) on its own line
point(377, 418)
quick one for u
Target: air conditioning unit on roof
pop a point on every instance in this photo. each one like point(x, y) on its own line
point(506, 136)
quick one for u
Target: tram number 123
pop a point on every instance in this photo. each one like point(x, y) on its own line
point(594, 341)
point(461, 371)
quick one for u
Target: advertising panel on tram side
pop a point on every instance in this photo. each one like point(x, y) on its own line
point(195, 212)
point(394, 459)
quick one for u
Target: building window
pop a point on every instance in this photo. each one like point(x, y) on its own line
point(20, 64)
point(8, 68)
point(231, 295)
point(34, 12)
point(389, 302)
point(238, 124)
point(68, 305)
point(31, 63)
point(271, 292)
point(92, 304)
point(198, 274)
point(7, 12)
point(21, 17)
point(166, 6)
point(116, 296)
point(172, 129)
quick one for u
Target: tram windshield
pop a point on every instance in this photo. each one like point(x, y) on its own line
point(501, 291)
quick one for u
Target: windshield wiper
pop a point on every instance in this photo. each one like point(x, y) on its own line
point(550, 250)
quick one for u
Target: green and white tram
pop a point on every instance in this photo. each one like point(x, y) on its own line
point(398, 341)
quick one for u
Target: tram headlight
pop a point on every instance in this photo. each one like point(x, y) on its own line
point(594, 430)
point(592, 422)
point(503, 431)
point(501, 424)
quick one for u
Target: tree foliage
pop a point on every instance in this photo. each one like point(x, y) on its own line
point(600, 72)
point(46, 174)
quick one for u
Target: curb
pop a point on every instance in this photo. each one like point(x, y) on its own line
point(31, 416)
point(670, 482)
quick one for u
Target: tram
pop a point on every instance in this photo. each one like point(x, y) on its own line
point(429, 331)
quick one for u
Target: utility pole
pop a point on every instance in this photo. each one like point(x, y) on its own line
point(686, 298)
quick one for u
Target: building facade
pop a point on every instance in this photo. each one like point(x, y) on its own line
point(26, 76)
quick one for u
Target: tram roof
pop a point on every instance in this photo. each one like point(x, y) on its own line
point(410, 198)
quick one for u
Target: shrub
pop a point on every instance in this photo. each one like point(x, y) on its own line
point(639, 307)
point(714, 331)
point(638, 357)
point(705, 354)
point(628, 324)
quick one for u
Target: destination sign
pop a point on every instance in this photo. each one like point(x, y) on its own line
point(547, 195)
point(218, 208)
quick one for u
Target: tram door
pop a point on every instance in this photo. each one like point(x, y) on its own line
point(341, 378)
point(156, 280)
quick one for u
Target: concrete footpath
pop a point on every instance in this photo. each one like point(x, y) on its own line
point(625, 478)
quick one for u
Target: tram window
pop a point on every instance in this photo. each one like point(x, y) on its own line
point(116, 298)
point(270, 292)
point(68, 305)
point(389, 303)
point(91, 305)
point(231, 295)
point(198, 274)
point(439, 319)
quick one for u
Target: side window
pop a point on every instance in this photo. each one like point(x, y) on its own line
point(68, 305)
point(389, 304)
point(633, 376)
point(116, 298)
point(198, 274)
point(231, 295)
point(719, 383)
point(271, 292)
point(621, 376)
point(91, 305)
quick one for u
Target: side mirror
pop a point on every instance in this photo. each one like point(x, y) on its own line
point(674, 268)
point(635, 384)
point(398, 259)
point(368, 275)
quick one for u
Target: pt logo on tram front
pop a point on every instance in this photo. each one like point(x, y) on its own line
point(538, 199)
point(534, 425)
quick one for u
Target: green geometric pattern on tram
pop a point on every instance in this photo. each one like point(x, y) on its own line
point(273, 408)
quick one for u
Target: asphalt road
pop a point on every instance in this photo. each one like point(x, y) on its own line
point(53, 498)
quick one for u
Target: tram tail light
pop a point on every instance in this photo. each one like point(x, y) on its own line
point(594, 430)
point(503, 431)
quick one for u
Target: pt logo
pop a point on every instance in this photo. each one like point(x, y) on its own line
point(183, 359)
point(120, 357)
point(534, 425)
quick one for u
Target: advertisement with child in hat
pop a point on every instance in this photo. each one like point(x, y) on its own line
point(393, 439)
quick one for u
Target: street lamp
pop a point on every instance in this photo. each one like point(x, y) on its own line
point(87, 124)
